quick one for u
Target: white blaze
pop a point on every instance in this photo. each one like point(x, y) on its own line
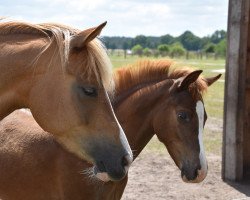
point(203, 161)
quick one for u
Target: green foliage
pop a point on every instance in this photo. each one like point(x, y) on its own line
point(220, 48)
point(147, 52)
point(217, 36)
point(204, 41)
point(210, 48)
point(137, 50)
point(141, 40)
point(113, 46)
point(177, 50)
point(190, 41)
point(152, 42)
point(125, 45)
point(164, 49)
point(118, 41)
point(167, 39)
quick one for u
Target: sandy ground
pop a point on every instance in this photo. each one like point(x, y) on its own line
point(154, 176)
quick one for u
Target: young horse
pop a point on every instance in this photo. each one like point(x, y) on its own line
point(151, 98)
point(62, 75)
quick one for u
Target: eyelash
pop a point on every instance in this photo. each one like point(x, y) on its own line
point(89, 91)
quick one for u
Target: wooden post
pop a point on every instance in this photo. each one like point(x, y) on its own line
point(236, 114)
point(246, 130)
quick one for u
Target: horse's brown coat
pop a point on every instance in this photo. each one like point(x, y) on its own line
point(37, 167)
point(50, 69)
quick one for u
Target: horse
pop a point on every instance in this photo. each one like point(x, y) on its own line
point(63, 75)
point(152, 97)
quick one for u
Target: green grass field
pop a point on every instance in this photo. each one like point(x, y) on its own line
point(213, 99)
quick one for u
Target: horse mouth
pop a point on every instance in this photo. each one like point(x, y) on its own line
point(109, 171)
point(101, 174)
point(199, 176)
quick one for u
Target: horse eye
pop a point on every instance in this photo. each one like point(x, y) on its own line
point(183, 116)
point(89, 91)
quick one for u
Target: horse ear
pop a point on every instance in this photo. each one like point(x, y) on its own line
point(84, 37)
point(211, 80)
point(189, 79)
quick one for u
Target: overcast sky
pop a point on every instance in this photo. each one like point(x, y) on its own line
point(125, 17)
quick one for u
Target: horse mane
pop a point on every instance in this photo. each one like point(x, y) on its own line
point(145, 72)
point(97, 61)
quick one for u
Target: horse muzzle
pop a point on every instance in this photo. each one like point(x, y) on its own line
point(111, 171)
point(195, 175)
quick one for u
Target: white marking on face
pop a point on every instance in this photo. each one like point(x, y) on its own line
point(103, 176)
point(122, 136)
point(26, 111)
point(200, 113)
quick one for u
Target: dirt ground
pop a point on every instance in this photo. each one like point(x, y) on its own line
point(154, 176)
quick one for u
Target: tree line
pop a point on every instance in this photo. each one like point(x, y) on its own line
point(168, 45)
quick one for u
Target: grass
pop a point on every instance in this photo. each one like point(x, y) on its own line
point(213, 99)
point(212, 142)
point(119, 61)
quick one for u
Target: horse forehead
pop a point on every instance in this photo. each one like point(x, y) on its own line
point(82, 72)
point(185, 99)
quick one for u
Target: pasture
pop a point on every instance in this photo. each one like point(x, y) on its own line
point(154, 175)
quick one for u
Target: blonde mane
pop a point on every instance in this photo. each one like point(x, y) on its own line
point(97, 61)
point(150, 71)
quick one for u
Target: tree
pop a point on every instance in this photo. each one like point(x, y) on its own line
point(220, 48)
point(164, 49)
point(210, 48)
point(177, 50)
point(167, 39)
point(217, 36)
point(147, 52)
point(137, 50)
point(204, 41)
point(112, 47)
point(107, 44)
point(153, 42)
point(125, 47)
point(190, 41)
point(141, 40)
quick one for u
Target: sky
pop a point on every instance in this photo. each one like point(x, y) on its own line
point(125, 17)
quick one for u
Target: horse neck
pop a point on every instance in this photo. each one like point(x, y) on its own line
point(18, 53)
point(135, 113)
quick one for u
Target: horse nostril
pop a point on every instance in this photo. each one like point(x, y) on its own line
point(126, 161)
point(196, 172)
point(190, 174)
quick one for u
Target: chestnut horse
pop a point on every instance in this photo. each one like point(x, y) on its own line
point(151, 98)
point(62, 75)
